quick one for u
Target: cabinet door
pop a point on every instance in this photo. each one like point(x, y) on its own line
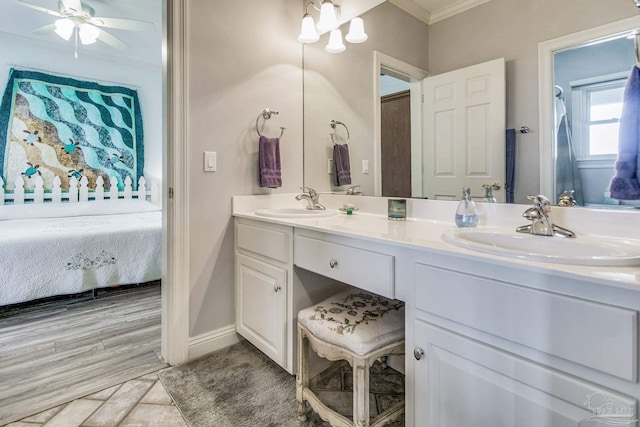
point(260, 305)
point(460, 382)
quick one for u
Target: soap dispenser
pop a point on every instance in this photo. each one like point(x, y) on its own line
point(466, 214)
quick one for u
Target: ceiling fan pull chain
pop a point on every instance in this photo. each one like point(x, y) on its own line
point(75, 53)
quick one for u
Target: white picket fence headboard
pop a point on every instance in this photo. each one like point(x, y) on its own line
point(79, 191)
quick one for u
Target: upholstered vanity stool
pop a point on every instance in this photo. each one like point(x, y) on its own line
point(358, 327)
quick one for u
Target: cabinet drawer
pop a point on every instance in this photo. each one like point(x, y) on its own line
point(269, 242)
point(364, 269)
point(595, 335)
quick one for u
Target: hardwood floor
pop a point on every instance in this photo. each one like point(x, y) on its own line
point(65, 350)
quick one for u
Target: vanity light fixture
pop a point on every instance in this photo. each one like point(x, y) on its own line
point(328, 19)
point(335, 44)
point(356, 31)
point(308, 33)
point(329, 22)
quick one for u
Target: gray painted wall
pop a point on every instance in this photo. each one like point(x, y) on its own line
point(513, 29)
point(242, 57)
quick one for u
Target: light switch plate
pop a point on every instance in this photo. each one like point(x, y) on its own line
point(365, 166)
point(330, 166)
point(210, 161)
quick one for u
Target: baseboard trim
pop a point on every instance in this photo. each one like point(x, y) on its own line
point(211, 341)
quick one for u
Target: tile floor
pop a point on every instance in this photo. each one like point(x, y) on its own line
point(142, 402)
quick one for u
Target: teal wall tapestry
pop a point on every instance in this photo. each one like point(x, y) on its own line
point(60, 126)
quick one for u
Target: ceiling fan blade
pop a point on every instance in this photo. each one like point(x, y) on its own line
point(47, 29)
point(123, 24)
point(111, 40)
point(72, 4)
point(39, 8)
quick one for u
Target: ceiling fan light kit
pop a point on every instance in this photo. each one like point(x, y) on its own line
point(78, 19)
point(64, 28)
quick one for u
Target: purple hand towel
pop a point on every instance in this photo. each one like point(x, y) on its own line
point(341, 165)
point(269, 162)
point(625, 184)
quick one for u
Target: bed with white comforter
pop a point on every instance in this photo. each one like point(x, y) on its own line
point(61, 248)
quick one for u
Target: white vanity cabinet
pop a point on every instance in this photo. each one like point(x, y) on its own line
point(490, 342)
point(270, 291)
point(263, 267)
point(491, 350)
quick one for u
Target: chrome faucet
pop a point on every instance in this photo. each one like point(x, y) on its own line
point(541, 220)
point(488, 193)
point(566, 199)
point(351, 191)
point(311, 196)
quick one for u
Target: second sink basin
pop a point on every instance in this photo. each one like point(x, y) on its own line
point(294, 213)
point(583, 250)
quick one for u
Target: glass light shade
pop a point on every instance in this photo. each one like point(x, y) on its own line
point(308, 32)
point(64, 28)
point(356, 31)
point(328, 20)
point(88, 34)
point(335, 42)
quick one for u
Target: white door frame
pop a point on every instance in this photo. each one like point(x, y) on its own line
point(175, 274)
point(546, 51)
point(415, 76)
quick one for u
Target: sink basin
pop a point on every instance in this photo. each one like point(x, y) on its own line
point(583, 250)
point(294, 213)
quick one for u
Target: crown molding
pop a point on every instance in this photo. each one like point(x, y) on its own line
point(453, 9)
point(413, 8)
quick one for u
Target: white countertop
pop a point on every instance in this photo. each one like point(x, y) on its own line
point(428, 219)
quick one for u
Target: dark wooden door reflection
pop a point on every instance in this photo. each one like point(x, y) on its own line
point(396, 144)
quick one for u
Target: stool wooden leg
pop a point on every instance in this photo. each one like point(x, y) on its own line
point(302, 378)
point(361, 393)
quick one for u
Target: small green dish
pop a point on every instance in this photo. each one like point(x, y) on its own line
point(348, 211)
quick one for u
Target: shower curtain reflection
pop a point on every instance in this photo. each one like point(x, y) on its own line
point(567, 174)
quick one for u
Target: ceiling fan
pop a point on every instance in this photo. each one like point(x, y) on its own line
point(77, 19)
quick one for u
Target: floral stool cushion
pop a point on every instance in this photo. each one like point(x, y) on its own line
point(356, 320)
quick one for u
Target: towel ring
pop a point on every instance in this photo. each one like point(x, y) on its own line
point(333, 124)
point(266, 115)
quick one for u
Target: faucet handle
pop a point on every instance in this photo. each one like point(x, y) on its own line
point(309, 190)
point(566, 198)
point(313, 194)
point(541, 202)
point(352, 190)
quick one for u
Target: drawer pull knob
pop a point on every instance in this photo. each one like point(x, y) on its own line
point(333, 263)
point(276, 288)
point(418, 353)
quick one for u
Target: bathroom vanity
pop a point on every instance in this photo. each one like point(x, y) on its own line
point(491, 340)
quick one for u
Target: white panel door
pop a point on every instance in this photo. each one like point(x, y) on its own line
point(464, 131)
point(260, 305)
point(460, 382)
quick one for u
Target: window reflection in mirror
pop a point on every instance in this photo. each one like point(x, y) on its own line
point(589, 84)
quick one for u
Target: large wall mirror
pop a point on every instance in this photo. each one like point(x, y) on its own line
point(341, 87)
point(344, 86)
